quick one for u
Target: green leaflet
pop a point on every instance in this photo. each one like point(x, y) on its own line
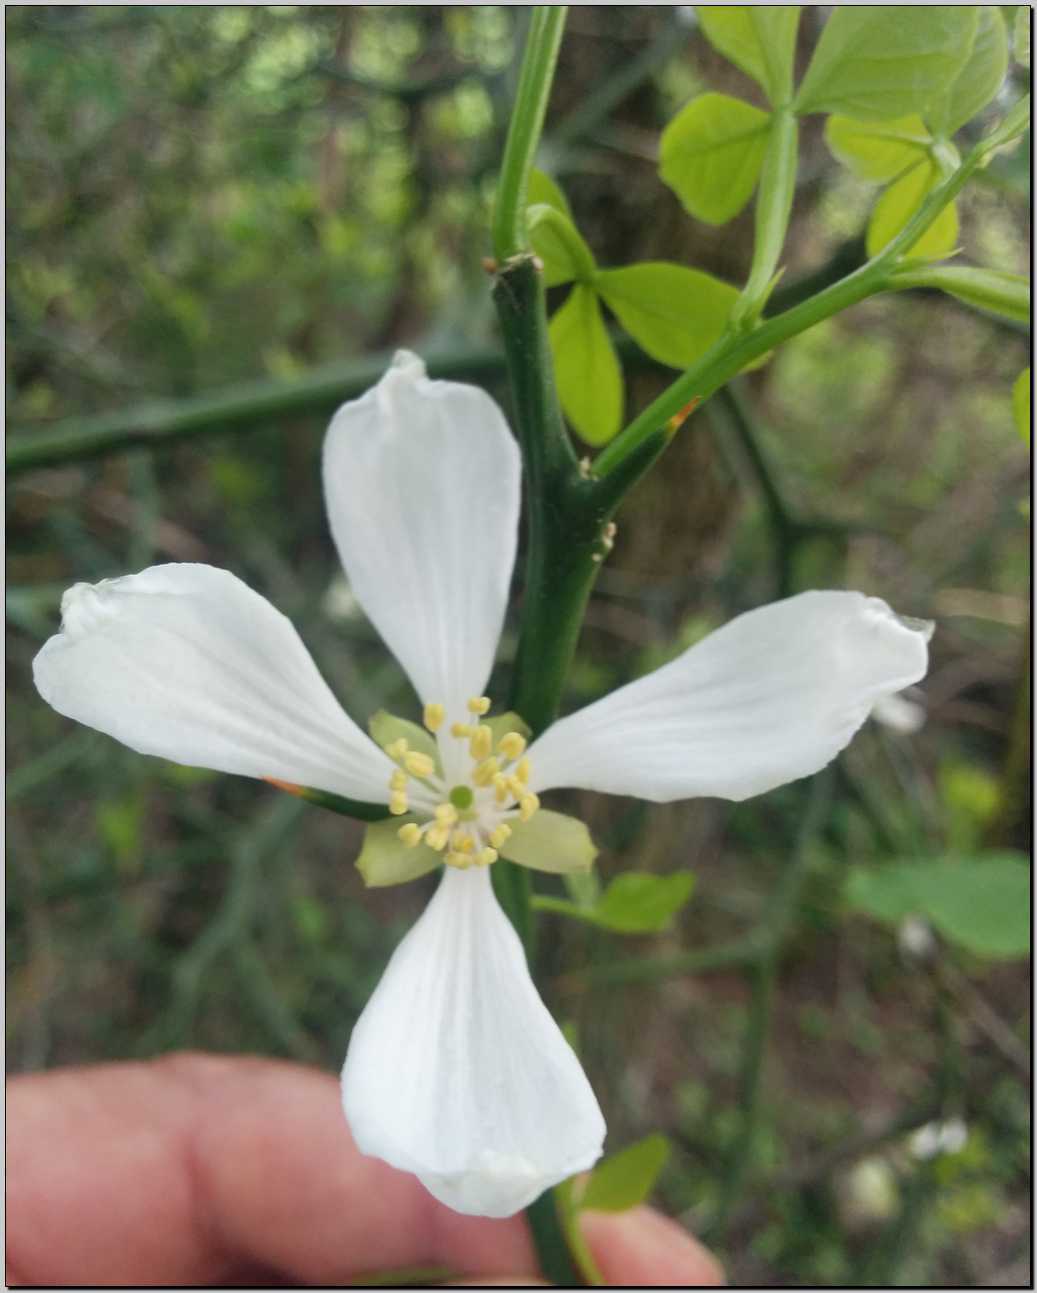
point(981, 903)
point(385, 860)
point(624, 1180)
point(877, 151)
point(760, 39)
point(551, 842)
point(1021, 404)
point(899, 203)
point(636, 902)
point(978, 81)
point(544, 191)
point(673, 313)
point(710, 154)
point(879, 61)
point(1021, 35)
point(560, 246)
point(590, 382)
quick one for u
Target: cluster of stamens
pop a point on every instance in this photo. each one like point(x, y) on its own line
point(468, 818)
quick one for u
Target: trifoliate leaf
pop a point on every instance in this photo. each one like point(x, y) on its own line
point(878, 150)
point(672, 312)
point(981, 903)
point(587, 372)
point(384, 858)
point(880, 61)
point(385, 728)
point(543, 191)
point(760, 39)
point(558, 243)
point(978, 81)
point(626, 1179)
point(711, 153)
point(1021, 404)
point(551, 842)
point(899, 203)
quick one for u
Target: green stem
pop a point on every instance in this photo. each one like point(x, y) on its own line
point(773, 208)
point(735, 350)
point(527, 121)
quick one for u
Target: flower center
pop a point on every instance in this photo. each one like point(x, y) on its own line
point(468, 821)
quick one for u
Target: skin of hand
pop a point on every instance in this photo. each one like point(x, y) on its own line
point(215, 1170)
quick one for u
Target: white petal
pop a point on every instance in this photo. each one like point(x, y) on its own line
point(770, 697)
point(422, 487)
point(456, 1070)
point(188, 663)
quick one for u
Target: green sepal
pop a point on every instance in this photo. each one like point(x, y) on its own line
point(624, 1180)
point(551, 842)
point(385, 860)
point(386, 728)
point(501, 724)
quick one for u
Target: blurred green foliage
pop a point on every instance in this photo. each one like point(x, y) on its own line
point(203, 195)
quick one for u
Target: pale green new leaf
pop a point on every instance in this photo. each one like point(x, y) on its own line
point(877, 151)
point(1021, 404)
point(711, 153)
point(980, 78)
point(673, 313)
point(543, 191)
point(626, 1179)
point(385, 728)
point(587, 372)
point(384, 858)
point(560, 246)
point(880, 61)
point(638, 902)
point(899, 203)
point(551, 842)
point(1007, 295)
point(981, 903)
point(1021, 35)
point(760, 39)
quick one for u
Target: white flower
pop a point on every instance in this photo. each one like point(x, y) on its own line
point(456, 1071)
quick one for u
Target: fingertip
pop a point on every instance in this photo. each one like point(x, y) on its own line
point(644, 1247)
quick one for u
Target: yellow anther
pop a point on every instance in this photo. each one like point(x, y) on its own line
point(486, 856)
point(421, 765)
point(436, 837)
point(516, 787)
point(461, 730)
point(523, 770)
point(398, 780)
point(481, 743)
point(461, 842)
point(461, 860)
point(433, 716)
point(528, 805)
point(485, 772)
point(397, 803)
point(500, 785)
point(501, 835)
point(511, 745)
point(410, 834)
point(396, 749)
point(479, 705)
point(446, 814)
